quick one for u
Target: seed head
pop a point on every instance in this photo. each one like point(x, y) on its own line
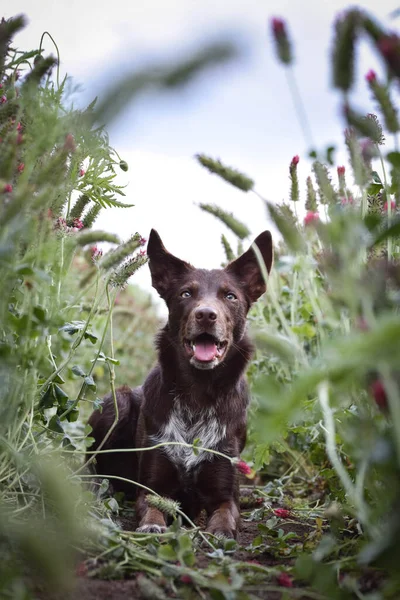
point(282, 42)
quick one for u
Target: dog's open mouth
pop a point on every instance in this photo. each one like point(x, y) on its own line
point(205, 348)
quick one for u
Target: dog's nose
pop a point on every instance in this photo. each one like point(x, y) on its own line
point(205, 314)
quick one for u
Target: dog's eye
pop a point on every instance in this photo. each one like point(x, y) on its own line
point(230, 296)
point(186, 294)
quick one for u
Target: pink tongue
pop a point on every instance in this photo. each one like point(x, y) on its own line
point(205, 351)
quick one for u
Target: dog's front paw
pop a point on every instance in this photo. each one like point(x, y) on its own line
point(222, 533)
point(151, 528)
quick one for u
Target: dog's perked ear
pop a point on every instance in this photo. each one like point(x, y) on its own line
point(247, 270)
point(165, 268)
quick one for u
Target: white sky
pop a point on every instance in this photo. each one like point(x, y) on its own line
point(241, 113)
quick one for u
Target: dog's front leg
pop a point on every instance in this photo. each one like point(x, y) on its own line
point(218, 486)
point(159, 474)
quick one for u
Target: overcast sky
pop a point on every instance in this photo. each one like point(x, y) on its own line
point(241, 113)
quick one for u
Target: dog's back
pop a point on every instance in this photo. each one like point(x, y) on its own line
point(196, 391)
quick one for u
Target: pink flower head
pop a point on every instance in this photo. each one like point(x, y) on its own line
point(3, 99)
point(81, 172)
point(311, 217)
point(77, 224)
point(19, 127)
point(283, 513)
point(346, 200)
point(186, 579)
point(243, 467)
point(371, 76)
point(96, 253)
point(20, 167)
point(142, 252)
point(81, 570)
point(341, 171)
point(392, 206)
point(284, 580)
point(69, 144)
point(7, 188)
point(295, 161)
point(1, 86)
point(142, 241)
point(378, 391)
point(61, 223)
point(278, 26)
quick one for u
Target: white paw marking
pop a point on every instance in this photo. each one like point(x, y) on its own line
point(151, 528)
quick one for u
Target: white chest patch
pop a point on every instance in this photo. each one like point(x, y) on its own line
point(185, 426)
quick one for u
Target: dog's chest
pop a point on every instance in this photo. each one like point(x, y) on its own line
point(185, 425)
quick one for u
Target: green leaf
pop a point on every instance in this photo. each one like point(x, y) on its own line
point(392, 231)
point(90, 336)
point(166, 552)
point(77, 370)
point(196, 444)
point(394, 159)
point(90, 382)
point(112, 504)
point(61, 396)
point(55, 425)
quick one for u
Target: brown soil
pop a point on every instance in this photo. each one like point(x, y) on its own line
point(88, 588)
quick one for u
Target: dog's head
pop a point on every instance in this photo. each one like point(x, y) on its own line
point(208, 308)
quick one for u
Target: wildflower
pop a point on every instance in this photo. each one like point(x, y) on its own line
point(243, 467)
point(69, 143)
point(392, 206)
point(346, 32)
point(142, 252)
point(61, 224)
point(371, 76)
point(282, 43)
point(311, 217)
point(77, 224)
point(19, 127)
point(284, 580)
point(311, 201)
point(3, 99)
point(81, 172)
point(7, 188)
point(81, 570)
point(142, 241)
point(283, 513)
point(341, 171)
point(233, 176)
point(346, 200)
point(20, 167)
point(95, 253)
point(294, 187)
point(186, 579)
point(389, 47)
point(378, 391)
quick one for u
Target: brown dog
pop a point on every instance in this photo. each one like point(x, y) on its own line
point(197, 390)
